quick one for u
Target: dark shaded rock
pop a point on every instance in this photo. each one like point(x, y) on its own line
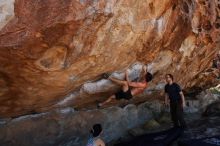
point(212, 109)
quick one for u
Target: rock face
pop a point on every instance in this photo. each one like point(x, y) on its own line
point(68, 127)
point(49, 49)
point(64, 127)
point(202, 128)
point(213, 109)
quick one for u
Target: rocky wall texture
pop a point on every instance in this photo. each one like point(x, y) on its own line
point(50, 49)
point(67, 127)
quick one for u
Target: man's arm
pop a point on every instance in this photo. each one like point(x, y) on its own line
point(126, 76)
point(137, 84)
point(143, 73)
point(183, 98)
point(117, 81)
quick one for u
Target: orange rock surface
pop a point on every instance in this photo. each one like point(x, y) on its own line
point(50, 49)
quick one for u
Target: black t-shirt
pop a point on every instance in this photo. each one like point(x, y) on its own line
point(173, 91)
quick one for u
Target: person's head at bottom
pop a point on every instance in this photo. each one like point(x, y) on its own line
point(96, 130)
point(95, 140)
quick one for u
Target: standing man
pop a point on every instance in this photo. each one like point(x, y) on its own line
point(174, 94)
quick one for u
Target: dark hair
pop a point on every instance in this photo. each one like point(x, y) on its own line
point(96, 130)
point(148, 77)
point(170, 75)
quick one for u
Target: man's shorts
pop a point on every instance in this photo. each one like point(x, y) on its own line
point(123, 95)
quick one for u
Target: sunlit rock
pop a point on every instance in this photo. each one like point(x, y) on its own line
point(6, 12)
point(54, 52)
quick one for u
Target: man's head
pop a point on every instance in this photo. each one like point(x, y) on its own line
point(148, 77)
point(169, 78)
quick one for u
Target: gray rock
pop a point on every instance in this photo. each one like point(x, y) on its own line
point(67, 127)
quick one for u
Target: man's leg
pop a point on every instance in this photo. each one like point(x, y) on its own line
point(173, 112)
point(180, 115)
point(106, 101)
point(125, 88)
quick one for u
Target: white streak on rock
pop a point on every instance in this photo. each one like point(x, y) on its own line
point(6, 12)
